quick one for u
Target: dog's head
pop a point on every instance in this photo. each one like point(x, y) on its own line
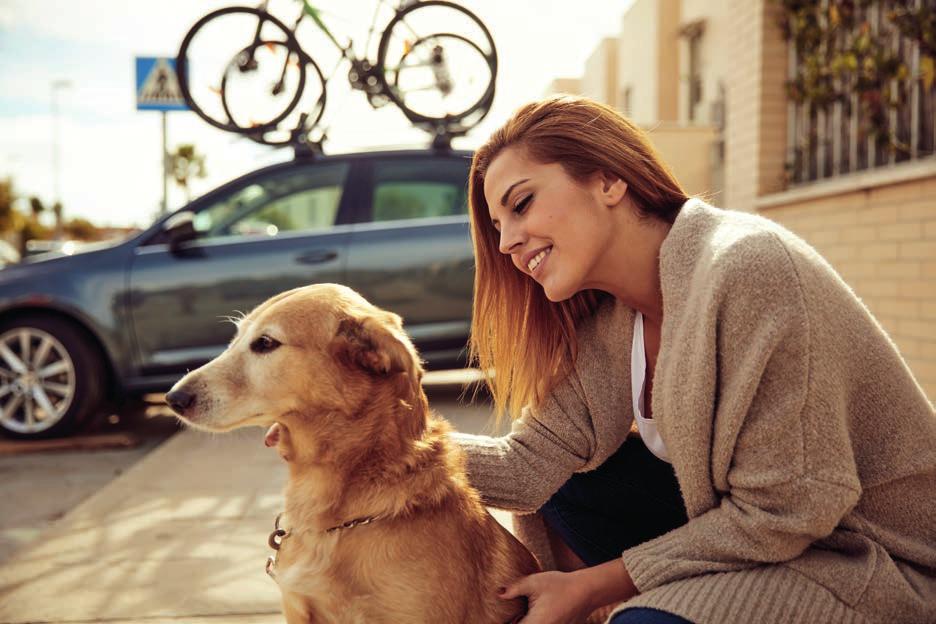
point(312, 360)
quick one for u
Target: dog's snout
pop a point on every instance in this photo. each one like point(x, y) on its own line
point(180, 400)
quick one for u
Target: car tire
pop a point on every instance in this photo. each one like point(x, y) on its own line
point(69, 377)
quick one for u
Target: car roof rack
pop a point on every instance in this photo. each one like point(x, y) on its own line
point(305, 148)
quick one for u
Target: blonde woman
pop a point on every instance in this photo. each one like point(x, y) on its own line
point(710, 426)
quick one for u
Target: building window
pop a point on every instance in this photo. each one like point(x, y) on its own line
point(624, 101)
point(692, 33)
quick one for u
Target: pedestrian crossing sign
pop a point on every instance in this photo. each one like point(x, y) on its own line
point(157, 85)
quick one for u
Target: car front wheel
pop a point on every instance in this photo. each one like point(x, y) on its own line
point(50, 377)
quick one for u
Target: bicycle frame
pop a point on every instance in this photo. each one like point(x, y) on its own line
point(347, 52)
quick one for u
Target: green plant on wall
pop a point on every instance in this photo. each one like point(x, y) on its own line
point(840, 53)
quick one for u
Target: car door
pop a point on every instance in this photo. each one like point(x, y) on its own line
point(275, 231)
point(411, 250)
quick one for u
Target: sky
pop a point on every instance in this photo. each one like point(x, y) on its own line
point(110, 154)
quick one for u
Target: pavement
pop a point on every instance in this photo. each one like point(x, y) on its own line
point(48, 478)
point(180, 536)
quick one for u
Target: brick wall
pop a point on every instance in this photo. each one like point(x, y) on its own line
point(755, 132)
point(882, 241)
point(742, 91)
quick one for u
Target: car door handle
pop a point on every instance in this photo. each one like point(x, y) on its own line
point(317, 256)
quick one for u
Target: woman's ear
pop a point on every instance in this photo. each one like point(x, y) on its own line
point(612, 189)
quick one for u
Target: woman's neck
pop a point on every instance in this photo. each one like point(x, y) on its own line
point(630, 268)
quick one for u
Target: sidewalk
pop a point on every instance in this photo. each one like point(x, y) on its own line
point(182, 534)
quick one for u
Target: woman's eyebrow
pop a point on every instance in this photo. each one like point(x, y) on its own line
point(510, 188)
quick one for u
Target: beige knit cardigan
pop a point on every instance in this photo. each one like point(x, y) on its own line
point(804, 449)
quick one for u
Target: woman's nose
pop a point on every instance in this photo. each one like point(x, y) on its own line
point(510, 239)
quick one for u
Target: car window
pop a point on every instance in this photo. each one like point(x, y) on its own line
point(299, 199)
point(419, 188)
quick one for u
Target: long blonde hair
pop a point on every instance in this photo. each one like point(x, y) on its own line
point(524, 343)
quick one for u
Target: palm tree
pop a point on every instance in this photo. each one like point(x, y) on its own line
point(36, 206)
point(184, 164)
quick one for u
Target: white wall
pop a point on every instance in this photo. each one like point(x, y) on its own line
point(599, 81)
point(638, 58)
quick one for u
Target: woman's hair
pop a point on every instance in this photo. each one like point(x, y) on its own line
point(522, 342)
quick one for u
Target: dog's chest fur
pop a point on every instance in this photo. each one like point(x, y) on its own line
point(304, 568)
point(304, 561)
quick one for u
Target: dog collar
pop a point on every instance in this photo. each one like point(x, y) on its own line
point(279, 534)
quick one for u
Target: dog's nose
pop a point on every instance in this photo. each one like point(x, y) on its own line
point(180, 400)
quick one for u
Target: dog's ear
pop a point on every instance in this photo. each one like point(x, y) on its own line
point(376, 344)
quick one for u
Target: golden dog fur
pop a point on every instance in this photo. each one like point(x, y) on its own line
point(341, 393)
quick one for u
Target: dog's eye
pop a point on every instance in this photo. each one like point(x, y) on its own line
point(263, 344)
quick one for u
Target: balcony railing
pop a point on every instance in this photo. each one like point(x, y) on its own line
point(848, 126)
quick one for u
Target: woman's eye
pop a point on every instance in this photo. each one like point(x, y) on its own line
point(521, 206)
point(264, 344)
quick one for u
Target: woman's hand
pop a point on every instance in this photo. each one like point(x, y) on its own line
point(570, 597)
point(554, 598)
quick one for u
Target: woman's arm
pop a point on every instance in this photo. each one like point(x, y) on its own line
point(607, 583)
point(570, 432)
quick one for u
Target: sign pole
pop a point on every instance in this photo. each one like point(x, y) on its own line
point(165, 167)
point(157, 88)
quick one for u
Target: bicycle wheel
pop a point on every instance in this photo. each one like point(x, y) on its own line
point(417, 53)
point(296, 128)
point(263, 76)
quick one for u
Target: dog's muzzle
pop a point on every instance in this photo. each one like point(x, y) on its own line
point(180, 400)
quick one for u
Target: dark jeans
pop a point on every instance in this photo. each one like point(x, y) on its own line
point(631, 498)
point(643, 615)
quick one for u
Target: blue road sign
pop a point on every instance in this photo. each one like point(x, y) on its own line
point(157, 85)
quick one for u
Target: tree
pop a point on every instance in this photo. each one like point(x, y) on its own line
point(36, 206)
point(57, 211)
point(186, 163)
point(81, 229)
point(6, 205)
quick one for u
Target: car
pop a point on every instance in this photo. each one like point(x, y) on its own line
point(123, 319)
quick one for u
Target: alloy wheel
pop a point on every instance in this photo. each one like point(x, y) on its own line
point(37, 380)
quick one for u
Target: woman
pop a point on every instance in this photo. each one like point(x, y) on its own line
point(786, 464)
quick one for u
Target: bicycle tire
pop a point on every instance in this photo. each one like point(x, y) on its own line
point(182, 70)
point(486, 98)
point(302, 59)
point(304, 127)
point(439, 35)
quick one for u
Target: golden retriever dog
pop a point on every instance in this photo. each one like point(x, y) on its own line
point(380, 523)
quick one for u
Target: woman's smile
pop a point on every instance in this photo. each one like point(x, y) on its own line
point(534, 261)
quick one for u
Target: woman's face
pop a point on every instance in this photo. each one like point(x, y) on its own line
point(553, 228)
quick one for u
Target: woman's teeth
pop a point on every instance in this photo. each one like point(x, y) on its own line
point(537, 259)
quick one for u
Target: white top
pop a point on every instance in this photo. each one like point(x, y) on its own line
point(646, 426)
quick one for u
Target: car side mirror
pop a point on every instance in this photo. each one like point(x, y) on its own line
point(179, 228)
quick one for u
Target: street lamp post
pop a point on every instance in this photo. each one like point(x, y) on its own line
point(57, 85)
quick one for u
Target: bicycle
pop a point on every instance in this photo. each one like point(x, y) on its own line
point(418, 76)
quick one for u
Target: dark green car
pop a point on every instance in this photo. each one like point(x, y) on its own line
point(132, 317)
